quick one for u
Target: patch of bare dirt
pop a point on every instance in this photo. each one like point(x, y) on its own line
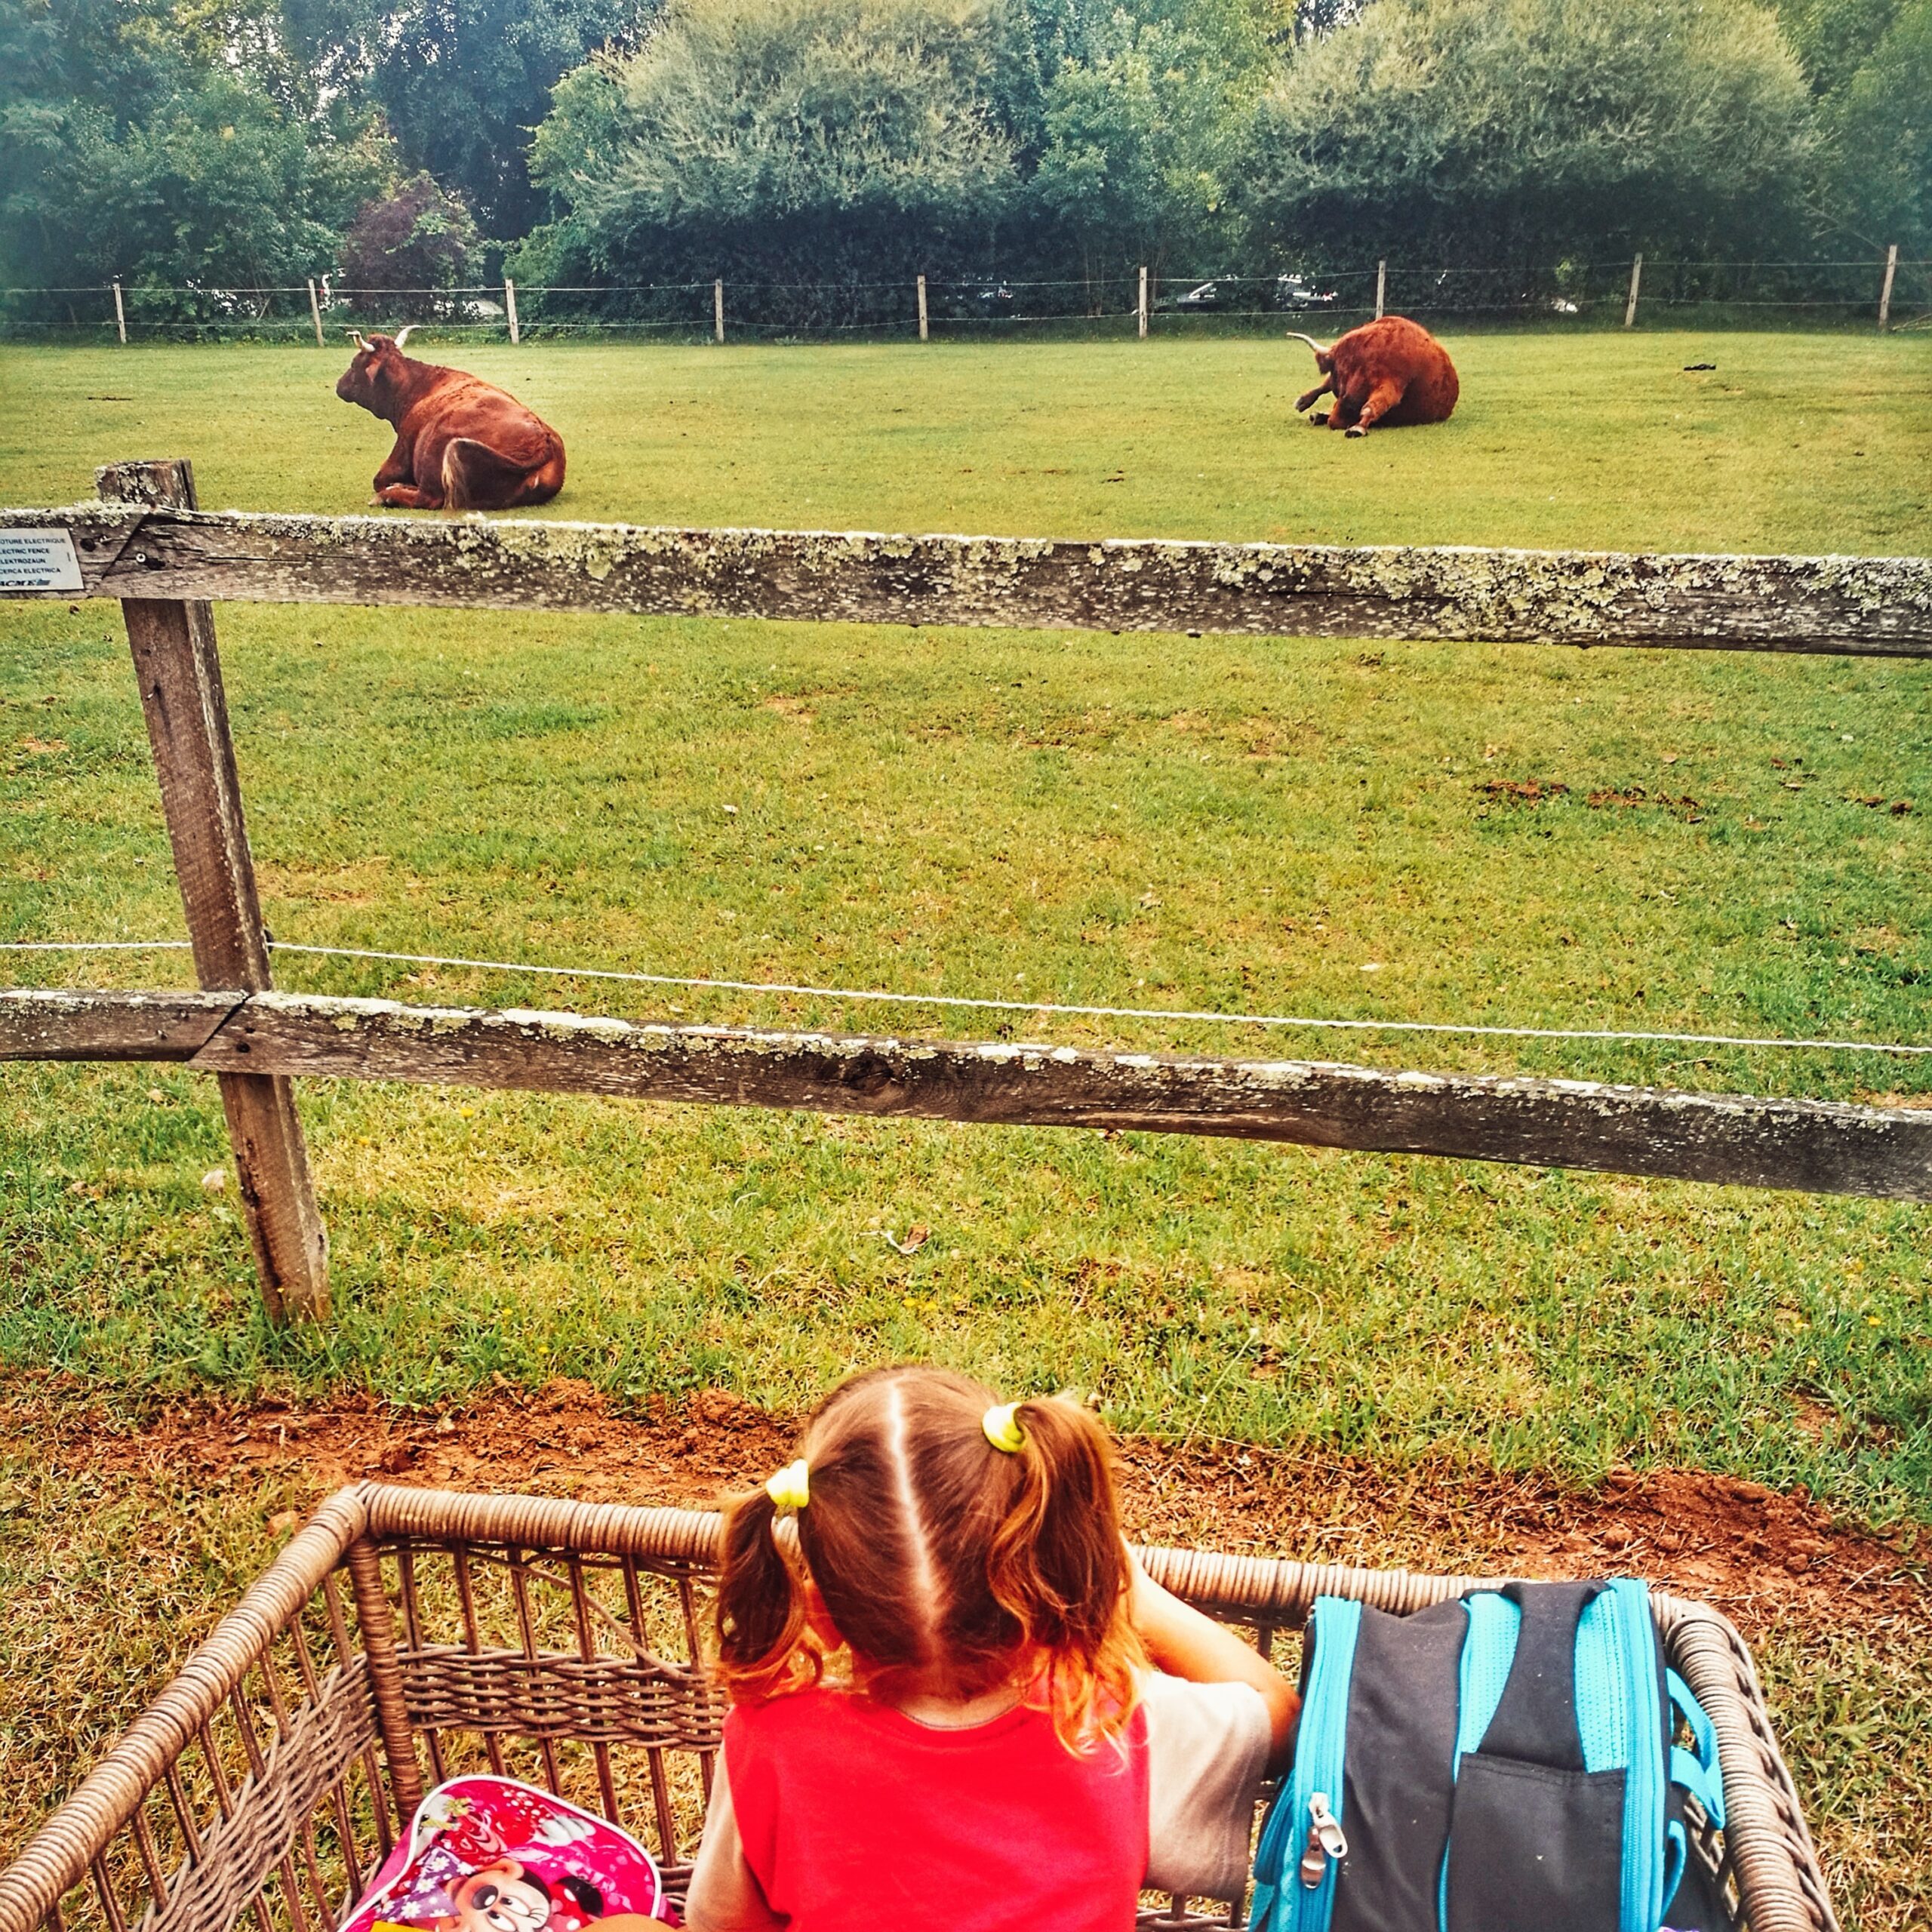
point(1762, 1556)
point(1522, 791)
point(563, 1440)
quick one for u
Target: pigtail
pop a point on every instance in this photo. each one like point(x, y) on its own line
point(1058, 1567)
point(765, 1645)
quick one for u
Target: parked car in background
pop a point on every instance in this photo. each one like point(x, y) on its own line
point(1202, 296)
point(1296, 292)
point(1227, 293)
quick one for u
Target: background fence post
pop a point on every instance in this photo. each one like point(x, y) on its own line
point(1142, 311)
point(718, 307)
point(120, 313)
point(315, 309)
point(510, 309)
point(1885, 294)
point(180, 675)
point(1630, 307)
point(1381, 286)
point(922, 308)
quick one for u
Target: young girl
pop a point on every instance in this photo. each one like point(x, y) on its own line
point(938, 1649)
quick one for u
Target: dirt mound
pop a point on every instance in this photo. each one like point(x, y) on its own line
point(1764, 1557)
point(1761, 1556)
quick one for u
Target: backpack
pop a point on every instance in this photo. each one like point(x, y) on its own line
point(492, 1854)
point(1506, 1761)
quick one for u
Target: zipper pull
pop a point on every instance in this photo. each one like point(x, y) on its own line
point(1325, 1841)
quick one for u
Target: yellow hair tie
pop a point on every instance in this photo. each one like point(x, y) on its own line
point(1001, 1424)
point(791, 1488)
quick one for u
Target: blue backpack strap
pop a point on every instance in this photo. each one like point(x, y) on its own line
point(1487, 1653)
point(1695, 1769)
point(1536, 1841)
point(1536, 1720)
point(1676, 1855)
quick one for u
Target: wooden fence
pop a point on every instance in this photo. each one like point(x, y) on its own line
point(145, 545)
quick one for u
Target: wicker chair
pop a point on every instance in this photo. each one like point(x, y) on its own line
point(560, 1642)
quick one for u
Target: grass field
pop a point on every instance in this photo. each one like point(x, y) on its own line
point(1255, 825)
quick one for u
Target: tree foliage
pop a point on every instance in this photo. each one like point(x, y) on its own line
point(420, 237)
point(1519, 129)
point(1879, 182)
point(463, 83)
point(215, 142)
point(822, 137)
point(1142, 127)
point(128, 150)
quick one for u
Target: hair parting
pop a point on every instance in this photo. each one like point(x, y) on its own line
point(944, 1562)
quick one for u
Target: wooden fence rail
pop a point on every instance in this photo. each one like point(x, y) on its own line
point(146, 546)
point(1738, 1139)
point(1843, 606)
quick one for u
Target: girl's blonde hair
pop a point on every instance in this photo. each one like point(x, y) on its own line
point(940, 1556)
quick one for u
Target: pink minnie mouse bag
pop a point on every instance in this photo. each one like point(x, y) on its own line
point(488, 1854)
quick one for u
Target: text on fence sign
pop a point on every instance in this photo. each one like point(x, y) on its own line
point(38, 560)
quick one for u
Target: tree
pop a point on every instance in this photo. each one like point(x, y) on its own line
point(826, 137)
point(1833, 39)
point(127, 149)
point(1525, 130)
point(1139, 137)
point(418, 238)
point(1879, 180)
point(577, 142)
point(463, 83)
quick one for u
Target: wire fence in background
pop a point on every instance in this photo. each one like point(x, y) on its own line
point(1889, 291)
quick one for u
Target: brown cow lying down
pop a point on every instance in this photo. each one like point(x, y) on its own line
point(461, 444)
point(1391, 370)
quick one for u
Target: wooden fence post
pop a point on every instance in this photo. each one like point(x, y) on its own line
point(1885, 294)
point(180, 675)
point(315, 309)
point(1636, 279)
point(120, 313)
point(1142, 310)
point(718, 307)
point(1381, 286)
point(510, 309)
point(922, 309)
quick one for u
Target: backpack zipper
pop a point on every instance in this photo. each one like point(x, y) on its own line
point(1315, 1786)
point(1325, 1841)
point(1642, 1902)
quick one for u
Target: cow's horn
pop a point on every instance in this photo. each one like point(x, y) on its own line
point(403, 335)
point(356, 337)
point(1296, 335)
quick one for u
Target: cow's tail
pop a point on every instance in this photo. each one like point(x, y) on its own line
point(475, 477)
point(1295, 335)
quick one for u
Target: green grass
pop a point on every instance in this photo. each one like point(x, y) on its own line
point(1207, 822)
point(1793, 443)
point(1268, 826)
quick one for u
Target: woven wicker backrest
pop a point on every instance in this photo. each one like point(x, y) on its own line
point(406, 1635)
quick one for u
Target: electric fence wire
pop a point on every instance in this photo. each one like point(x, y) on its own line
point(957, 1001)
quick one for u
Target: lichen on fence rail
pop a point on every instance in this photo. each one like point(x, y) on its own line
point(1739, 1139)
point(1838, 605)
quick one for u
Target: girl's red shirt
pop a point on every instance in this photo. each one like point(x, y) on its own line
point(853, 1815)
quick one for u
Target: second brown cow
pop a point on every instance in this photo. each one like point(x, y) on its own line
point(461, 444)
point(1391, 370)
